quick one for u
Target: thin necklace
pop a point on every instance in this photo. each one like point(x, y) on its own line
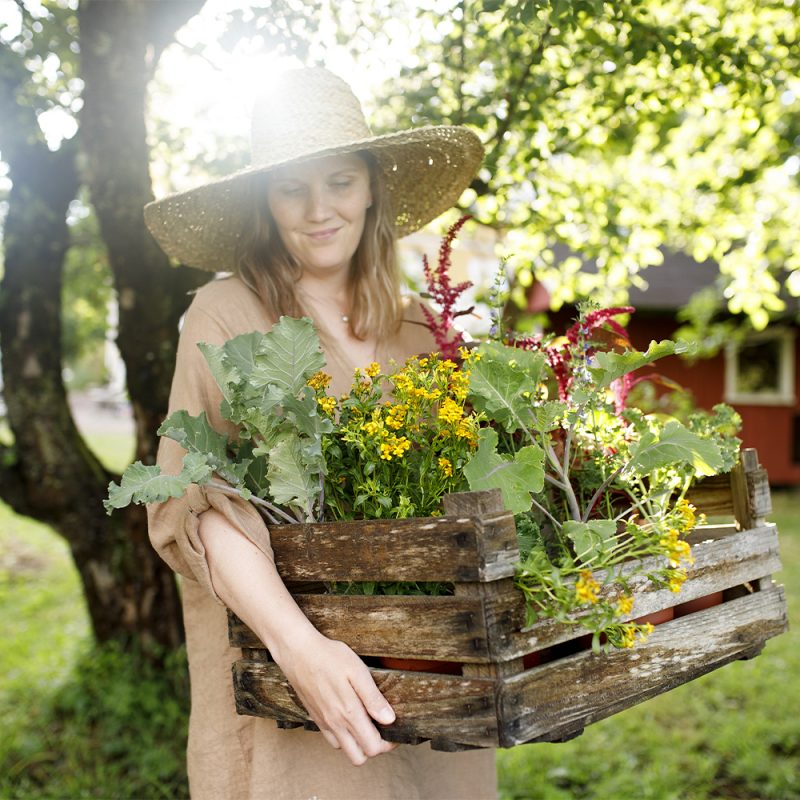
point(343, 317)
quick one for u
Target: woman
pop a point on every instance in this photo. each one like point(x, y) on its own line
point(309, 229)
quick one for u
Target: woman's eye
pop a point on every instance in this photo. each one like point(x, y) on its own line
point(341, 184)
point(291, 191)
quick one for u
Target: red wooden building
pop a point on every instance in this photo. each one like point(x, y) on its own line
point(759, 377)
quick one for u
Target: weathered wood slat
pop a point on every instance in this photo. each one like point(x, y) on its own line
point(712, 496)
point(555, 699)
point(402, 627)
point(720, 563)
point(430, 549)
point(427, 706)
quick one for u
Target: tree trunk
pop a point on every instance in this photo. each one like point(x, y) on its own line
point(152, 295)
point(50, 473)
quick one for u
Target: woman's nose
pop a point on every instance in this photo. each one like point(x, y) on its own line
point(319, 206)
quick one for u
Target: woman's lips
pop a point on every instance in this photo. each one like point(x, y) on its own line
point(321, 236)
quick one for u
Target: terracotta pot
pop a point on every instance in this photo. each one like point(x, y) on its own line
point(421, 665)
point(698, 604)
point(657, 617)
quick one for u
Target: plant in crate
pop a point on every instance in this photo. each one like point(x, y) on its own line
point(595, 484)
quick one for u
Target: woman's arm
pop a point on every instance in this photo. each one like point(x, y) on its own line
point(333, 683)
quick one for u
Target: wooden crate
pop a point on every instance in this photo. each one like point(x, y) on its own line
point(496, 701)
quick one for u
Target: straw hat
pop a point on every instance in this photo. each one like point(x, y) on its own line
point(313, 113)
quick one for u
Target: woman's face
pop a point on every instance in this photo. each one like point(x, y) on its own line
point(319, 210)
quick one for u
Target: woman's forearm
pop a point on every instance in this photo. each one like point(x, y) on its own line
point(246, 580)
point(331, 681)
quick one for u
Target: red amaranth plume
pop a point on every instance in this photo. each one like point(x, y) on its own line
point(594, 319)
point(445, 295)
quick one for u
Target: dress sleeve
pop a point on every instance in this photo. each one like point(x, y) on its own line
point(173, 525)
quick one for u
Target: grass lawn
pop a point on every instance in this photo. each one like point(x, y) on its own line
point(82, 722)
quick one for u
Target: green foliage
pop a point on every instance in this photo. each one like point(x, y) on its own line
point(517, 475)
point(143, 483)
point(610, 366)
point(674, 446)
point(263, 379)
point(619, 129)
point(502, 382)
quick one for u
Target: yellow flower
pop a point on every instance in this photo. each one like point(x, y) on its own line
point(628, 636)
point(446, 466)
point(677, 549)
point(373, 370)
point(423, 362)
point(645, 630)
point(396, 416)
point(402, 382)
point(625, 605)
point(372, 428)
point(676, 580)
point(466, 430)
point(459, 384)
point(689, 514)
point(586, 587)
point(394, 447)
point(319, 380)
point(327, 404)
point(450, 411)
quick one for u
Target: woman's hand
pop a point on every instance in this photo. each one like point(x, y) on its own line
point(332, 682)
point(338, 692)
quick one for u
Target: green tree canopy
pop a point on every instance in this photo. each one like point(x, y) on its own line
point(618, 129)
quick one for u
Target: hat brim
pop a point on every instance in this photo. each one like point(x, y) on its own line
point(425, 170)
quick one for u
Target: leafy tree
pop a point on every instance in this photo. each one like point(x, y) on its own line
point(617, 129)
point(49, 472)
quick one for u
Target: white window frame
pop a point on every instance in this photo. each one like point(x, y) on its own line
point(785, 395)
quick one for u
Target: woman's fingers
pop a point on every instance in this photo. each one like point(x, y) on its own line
point(372, 699)
point(340, 695)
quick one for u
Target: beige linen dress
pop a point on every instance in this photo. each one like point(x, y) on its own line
point(233, 757)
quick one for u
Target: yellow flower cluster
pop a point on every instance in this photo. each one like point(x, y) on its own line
point(468, 429)
point(586, 587)
point(625, 605)
point(629, 633)
point(689, 514)
point(676, 580)
point(677, 549)
point(327, 404)
point(394, 447)
point(373, 370)
point(319, 381)
point(395, 415)
point(446, 466)
point(450, 411)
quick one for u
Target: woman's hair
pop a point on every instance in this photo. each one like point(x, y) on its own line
point(264, 264)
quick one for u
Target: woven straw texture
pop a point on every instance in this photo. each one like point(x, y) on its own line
point(310, 114)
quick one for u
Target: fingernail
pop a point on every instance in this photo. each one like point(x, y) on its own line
point(386, 715)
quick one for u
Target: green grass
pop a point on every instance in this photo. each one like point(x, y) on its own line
point(78, 721)
point(115, 450)
point(733, 734)
point(85, 722)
